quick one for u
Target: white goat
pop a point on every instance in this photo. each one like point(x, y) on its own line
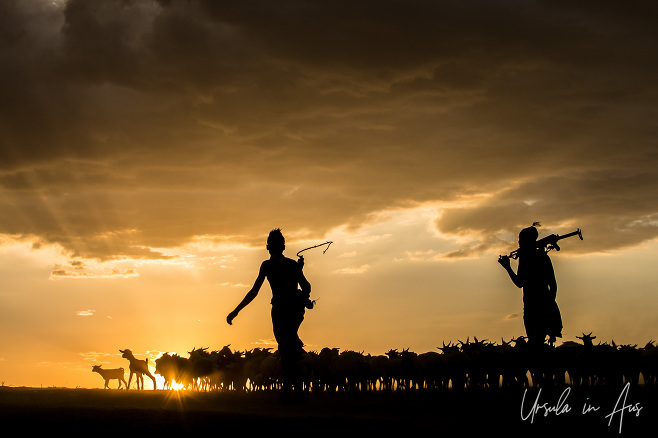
point(137, 367)
point(108, 375)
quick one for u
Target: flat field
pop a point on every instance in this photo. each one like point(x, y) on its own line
point(513, 412)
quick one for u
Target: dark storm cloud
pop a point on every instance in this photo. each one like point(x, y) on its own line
point(615, 208)
point(185, 117)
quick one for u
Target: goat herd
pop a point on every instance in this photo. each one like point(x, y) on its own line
point(461, 366)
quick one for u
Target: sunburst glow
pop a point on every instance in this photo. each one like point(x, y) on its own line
point(177, 386)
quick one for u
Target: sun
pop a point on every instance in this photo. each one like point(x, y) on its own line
point(177, 386)
point(173, 386)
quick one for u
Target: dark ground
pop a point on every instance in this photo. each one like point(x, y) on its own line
point(95, 412)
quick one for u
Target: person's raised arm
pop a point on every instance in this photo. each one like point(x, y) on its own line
point(249, 297)
point(505, 263)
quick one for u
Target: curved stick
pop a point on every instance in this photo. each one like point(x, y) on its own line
point(311, 247)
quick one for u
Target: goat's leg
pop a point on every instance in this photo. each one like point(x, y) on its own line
point(153, 379)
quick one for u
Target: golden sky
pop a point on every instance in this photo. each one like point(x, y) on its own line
point(148, 147)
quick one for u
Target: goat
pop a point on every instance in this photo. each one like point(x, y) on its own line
point(455, 363)
point(252, 367)
point(630, 362)
point(476, 367)
point(326, 380)
point(229, 372)
point(427, 370)
point(349, 369)
point(379, 374)
point(110, 375)
point(472, 365)
point(137, 367)
point(174, 369)
point(270, 370)
point(649, 363)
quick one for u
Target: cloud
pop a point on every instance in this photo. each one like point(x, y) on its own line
point(353, 270)
point(474, 249)
point(77, 264)
point(133, 125)
point(57, 365)
point(57, 274)
point(417, 256)
point(95, 356)
point(265, 343)
point(241, 285)
point(364, 240)
point(610, 206)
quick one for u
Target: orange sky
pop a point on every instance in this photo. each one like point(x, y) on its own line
point(148, 147)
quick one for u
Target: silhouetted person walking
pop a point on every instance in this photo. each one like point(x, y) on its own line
point(290, 298)
point(535, 274)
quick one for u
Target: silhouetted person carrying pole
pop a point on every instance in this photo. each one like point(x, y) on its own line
point(535, 274)
point(290, 298)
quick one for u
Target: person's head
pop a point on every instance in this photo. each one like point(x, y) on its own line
point(276, 243)
point(528, 237)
